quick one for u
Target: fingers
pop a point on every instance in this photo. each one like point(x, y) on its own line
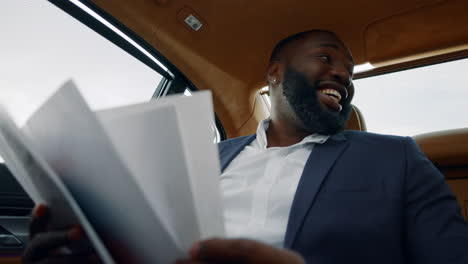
point(241, 251)
point(46, 246)
point(39, 220)
point(44, 243)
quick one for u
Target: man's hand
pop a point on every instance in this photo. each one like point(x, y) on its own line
point(239, 251)
point(47, 246)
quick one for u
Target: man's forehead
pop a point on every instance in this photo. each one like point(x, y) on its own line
point(316, 40)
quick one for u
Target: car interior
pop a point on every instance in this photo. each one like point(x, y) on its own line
point(224, 47)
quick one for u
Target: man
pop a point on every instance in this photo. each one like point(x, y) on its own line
point(328, 195)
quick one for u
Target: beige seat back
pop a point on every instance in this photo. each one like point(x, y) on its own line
point(356, 120)
point(448, 150)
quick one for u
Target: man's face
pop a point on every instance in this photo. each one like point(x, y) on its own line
point(317, 83)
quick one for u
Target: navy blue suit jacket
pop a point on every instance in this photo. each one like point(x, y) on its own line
point(368, 198)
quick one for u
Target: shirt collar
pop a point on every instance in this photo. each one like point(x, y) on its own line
point(262, 138)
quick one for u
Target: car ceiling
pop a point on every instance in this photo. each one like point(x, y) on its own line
point(229, 54)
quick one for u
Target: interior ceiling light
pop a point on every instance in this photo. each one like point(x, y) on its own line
point(193, 22)
point(120, 33)
point(363, 67)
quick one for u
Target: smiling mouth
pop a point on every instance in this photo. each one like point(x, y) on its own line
point(334, 94)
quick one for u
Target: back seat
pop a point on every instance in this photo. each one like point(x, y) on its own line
point(448, 150)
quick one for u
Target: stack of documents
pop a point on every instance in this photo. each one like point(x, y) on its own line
point(142, 180)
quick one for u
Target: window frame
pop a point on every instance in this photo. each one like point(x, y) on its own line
point(172, 80)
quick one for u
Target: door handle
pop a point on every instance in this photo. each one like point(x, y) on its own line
point(10, 241)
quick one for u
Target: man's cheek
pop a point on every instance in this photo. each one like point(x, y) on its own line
point(304, 92)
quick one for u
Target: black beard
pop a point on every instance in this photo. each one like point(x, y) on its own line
point(302, 97)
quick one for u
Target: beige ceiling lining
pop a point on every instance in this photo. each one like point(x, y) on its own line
point(418, 33)
point(423, 55)
point(414, 63)
point(377, 19)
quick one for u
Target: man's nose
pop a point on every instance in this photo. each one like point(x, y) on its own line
point(341, 74)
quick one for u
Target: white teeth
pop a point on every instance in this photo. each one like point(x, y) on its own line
point(332, 92)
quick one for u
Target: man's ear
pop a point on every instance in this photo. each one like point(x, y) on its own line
point(275, 73)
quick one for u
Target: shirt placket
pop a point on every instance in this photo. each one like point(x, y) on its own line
point(262, 191)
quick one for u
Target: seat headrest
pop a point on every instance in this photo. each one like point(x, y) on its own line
point(448, 148)
point(356, 120)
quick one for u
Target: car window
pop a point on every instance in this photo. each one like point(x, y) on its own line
point(415, 101)
point(42, 47)
point(45, 46)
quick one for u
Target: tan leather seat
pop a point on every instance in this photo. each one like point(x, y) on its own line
point(356, 120)
point(448, 150)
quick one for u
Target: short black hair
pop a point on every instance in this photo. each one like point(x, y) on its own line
point(281, 45)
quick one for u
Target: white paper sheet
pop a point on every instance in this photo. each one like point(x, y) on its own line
point(41, 183)
point(73, 142)
point(174, 161)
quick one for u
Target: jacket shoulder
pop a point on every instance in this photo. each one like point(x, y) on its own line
point(368, 137)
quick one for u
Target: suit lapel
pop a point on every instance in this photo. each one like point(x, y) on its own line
point(316, 169)
point(232, 148)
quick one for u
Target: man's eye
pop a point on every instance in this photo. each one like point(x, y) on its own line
point(324, 58)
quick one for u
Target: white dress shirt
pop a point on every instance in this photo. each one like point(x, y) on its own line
point(258, 187)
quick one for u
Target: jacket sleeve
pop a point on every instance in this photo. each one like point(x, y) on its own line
point(435, 230)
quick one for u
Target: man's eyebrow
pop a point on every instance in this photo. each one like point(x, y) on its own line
point(328, 45)
point(334, 46)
